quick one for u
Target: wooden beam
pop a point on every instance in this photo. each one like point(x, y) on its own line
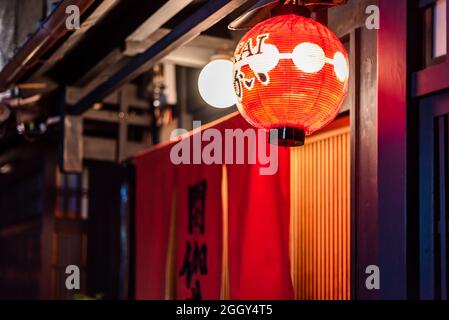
point(190, 57)
point(100, 68)
point(201, 42)
point(73, 145)
point(164, 14)
point(46, 36)
point(74, 94)
point(75, 38)
point(95, 82)
point(392, 147)
point(354, 118)
point(206, 16)
point(195, 54)
point(430, 80)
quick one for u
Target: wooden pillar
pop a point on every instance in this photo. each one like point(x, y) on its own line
point(392, 147)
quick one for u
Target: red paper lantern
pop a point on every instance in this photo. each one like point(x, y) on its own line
point(291, 74)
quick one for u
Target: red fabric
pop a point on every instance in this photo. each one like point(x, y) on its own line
point(154, 196)
point(259, 217)
point(258, 227)
point(199, 272)
point(300, 89)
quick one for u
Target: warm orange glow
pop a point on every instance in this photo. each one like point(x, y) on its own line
point(290, 71)
point(320, 216)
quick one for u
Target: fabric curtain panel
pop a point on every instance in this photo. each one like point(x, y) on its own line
point(259, 206)
point(183, 248)
point(154, 203)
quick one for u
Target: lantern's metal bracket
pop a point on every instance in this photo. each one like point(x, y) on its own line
point(287, 137)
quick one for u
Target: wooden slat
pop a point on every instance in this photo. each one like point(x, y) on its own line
point(111, 116)
point(225, 289)
point(201, 42)
point(165, 13)
point(320, 217)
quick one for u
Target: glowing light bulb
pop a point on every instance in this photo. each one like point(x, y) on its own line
point(309, 57)
point(215, 84)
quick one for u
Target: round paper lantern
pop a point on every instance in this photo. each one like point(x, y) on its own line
point(291, 74)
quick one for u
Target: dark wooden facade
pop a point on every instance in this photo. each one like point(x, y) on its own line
point(47, 223)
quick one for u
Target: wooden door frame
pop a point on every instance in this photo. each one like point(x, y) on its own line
point(402, 84)
point(431, 108)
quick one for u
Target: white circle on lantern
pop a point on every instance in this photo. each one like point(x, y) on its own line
point(309, 57)
point(265, 61)
point(215, 84)
point(341, 66)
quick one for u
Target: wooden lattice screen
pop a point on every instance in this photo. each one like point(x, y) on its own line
point(320, 215)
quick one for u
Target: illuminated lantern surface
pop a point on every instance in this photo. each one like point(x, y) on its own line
point(290, 73)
